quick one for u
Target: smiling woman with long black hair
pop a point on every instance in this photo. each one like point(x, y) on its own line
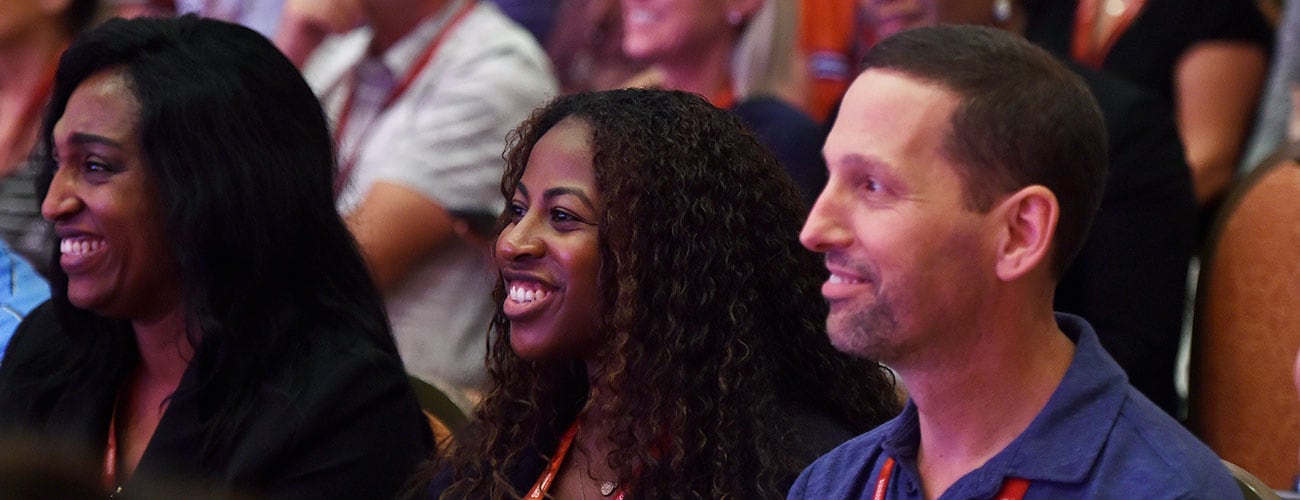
point(212, 319)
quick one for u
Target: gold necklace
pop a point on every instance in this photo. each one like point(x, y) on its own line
point(607, 488)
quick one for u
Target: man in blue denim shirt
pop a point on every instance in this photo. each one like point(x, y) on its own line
point(965, 167)
point(21, 290)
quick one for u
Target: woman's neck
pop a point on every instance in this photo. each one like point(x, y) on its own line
point(705, 71)
point(595, 417)
point(592, 445)
point(165, 353)
point(165, 349)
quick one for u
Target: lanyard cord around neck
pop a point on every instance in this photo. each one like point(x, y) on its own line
point(1013, 488)
point(547, 479)
point(347, 165)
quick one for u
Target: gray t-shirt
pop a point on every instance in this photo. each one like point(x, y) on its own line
point(443, 138)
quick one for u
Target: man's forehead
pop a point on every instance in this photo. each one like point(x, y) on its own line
point(896, 84)
point(892, 110)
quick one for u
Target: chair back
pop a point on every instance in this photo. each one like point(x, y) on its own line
point(1251, 487)
point(445, 418)
point(1242, 396)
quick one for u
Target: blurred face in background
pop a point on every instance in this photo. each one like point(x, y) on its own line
point(888, 17)
point(655, 30)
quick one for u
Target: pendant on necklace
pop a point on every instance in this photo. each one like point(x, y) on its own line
point(607, 488)
point(1116, 7)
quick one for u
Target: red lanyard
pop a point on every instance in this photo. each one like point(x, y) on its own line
point(1012, 489)
point(422, 61)
point(110, 452)
point(552, 469)
point(1082, 48)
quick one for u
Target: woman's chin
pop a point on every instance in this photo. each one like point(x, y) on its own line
point(529, 344)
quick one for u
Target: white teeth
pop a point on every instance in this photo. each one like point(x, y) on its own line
point(640, 16)
point(840, 280)
point(80, 246)
point(520, 294)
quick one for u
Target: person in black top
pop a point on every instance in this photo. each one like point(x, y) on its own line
point(212, 321)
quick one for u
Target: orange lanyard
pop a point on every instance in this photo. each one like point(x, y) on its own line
point(725, 98)
point(110, 452)
point(1012, 489)
point(1082, 48)
point(422, 61)
point(552, 469)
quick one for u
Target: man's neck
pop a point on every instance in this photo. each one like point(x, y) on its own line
point(393, 22)
point(984, 395)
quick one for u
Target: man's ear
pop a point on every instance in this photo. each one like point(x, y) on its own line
point(1028, 226)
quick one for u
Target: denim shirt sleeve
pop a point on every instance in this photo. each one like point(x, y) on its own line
point(21, 290)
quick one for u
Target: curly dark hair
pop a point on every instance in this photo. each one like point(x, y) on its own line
point(712, 308)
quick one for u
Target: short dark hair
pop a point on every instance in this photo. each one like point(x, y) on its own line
point(244, 164)
point(1024, 119)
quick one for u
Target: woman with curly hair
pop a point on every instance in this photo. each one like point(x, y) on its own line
point(659, 331)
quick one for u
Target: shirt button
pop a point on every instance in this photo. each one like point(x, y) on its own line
point(911, 487)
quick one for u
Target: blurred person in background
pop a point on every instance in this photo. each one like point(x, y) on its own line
point(741, 55)
point(32, 35)
point(1206, 58)
point(422, 97)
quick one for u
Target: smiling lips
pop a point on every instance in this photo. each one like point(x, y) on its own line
point(845, 280)
point(76, 252)
point(80, 246)
point(521, 294)
point(524, 298)
point(842, 286)
point(641, 16)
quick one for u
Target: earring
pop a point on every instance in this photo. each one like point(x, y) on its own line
point(1002, 11)
point(734, 17)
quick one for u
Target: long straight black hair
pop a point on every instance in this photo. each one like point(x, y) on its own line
point(244, 165)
